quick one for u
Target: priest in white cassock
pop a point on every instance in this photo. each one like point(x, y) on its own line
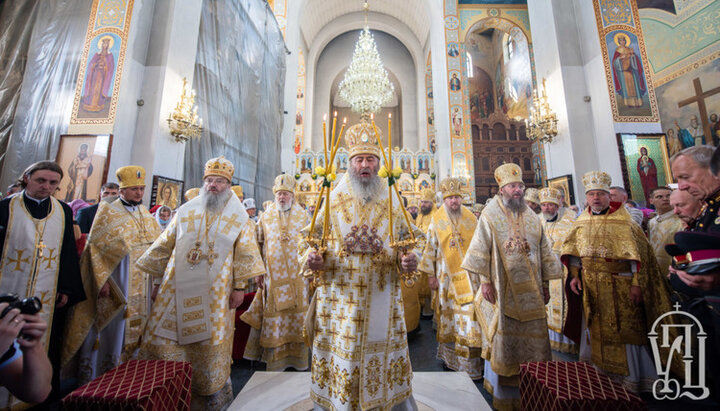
point(458, 332)
point(355, 322)
point(557, 229)
point(513, 258)
point(277, 313)
point(202, 261)
point(106, 328)
point(662, 227)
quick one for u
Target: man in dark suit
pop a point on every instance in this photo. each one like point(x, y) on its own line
point(85, 216)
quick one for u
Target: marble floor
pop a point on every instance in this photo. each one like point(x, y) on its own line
point(423, 351)
point(290, 391)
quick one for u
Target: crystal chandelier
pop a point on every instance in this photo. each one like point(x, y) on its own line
point(542, 125)
point(366, 86)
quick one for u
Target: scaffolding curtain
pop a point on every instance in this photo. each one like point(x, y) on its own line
point(239, 79)
point(41, 43)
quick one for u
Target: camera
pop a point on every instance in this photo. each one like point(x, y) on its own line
point(29, 305)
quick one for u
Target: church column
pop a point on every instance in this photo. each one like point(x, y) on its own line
point(441, 98)
point(170, 56)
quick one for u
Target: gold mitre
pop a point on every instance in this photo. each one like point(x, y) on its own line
point(412, 202)
point(238, 191)
point(451, 186)
point(360, 139)
point(284, 182)
point(427, 194)
point(531, 194)
point(508, 173)
point(477, 208)
point(550, 195)
point(192, 193)
point(597, 180)
point(219, 166)
point(310, 201)
point(131, 176)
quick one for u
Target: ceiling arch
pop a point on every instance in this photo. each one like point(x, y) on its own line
point(316, 14)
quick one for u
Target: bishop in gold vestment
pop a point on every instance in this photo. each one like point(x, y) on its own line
point(422, 222)
point(106, 328)
point(556, 228)
point(613, 266)
point(511, 254)
point(276, 314)
point(202, 261)
point(355, 323)
point(458, 331)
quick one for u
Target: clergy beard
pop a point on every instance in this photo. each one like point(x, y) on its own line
point(516, 205)
point(454, 214)
point(549, 216)
point(214, 203)
point(283, 208)
point(425, 210)
point(365, 190)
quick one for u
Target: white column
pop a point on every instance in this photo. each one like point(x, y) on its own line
point(172, 36)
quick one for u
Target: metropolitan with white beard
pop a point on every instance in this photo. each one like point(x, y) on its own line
point(276, 314)
point(202, 261)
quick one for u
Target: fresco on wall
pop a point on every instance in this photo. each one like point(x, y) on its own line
point(686, 118)
point(481, 95)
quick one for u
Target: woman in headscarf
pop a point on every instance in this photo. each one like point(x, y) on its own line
point(163, 215)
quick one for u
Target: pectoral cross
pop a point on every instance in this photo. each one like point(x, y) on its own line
point(19, 260)
point(40, 247)
point(195, 255)
point(230, 223)
point(190, 219)
point(211, 256)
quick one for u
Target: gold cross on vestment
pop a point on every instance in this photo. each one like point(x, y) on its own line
point(230, 223)
point(50, 258)
point(190, 219)
point(342, 318)
point(19, 260)
point(396, 316)
point(325, 316)
point(347, 337)
point(360, 287)
point(350, 268)
point(341, 284)
point(351, 301)
point(333, 301)
point(358, 319)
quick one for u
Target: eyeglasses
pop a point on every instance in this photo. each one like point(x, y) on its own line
point(217, 181)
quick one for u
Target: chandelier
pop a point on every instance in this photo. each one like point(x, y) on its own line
point(184, 121)
point(366, 86)
point(542, 125)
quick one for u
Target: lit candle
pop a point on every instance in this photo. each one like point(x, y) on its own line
point(390, 214)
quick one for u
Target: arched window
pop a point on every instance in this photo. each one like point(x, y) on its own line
point(468, 64)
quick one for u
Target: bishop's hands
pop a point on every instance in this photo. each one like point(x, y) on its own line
point(433, 282)
point(408, 262)
point(315, 261)
point(488, 292)
point(236, 298)
point(636, 295)
point(576, 285)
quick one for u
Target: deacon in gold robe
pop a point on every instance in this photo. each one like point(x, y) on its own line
point(613, 267)
point(106, 328)
point(662, 227)
point(422, 222)
point(513, 258)
point(277, 313)
point(458, 333)
point(556, 229)
point(355, 323)
point(39, 257)
point(202, 260)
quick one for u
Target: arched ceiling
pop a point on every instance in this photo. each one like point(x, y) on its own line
point(318, 13)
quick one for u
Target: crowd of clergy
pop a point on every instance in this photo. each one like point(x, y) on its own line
point(506, 282)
